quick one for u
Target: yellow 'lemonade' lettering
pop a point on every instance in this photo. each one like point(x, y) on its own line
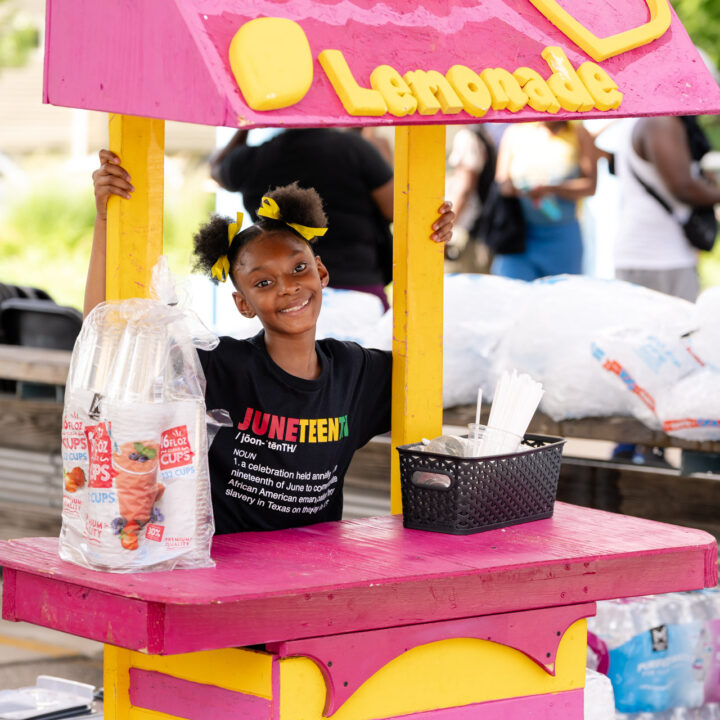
point(600, 85)
point(540, 96)
point(461, 88)
point(504, 90)
point(471, 90)
point(271, 60)
point(565, 83)
point(419, 84)
point(433, 92)
point(356, 100)
point(397, 94)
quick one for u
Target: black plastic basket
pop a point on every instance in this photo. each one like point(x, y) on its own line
point(457, 495)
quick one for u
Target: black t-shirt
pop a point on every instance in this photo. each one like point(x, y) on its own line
point(344, 168)
point(283, 462)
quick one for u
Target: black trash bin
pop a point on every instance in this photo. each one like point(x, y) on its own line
point(39, 323)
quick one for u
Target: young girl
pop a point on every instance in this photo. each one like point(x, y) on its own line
point(300, 407)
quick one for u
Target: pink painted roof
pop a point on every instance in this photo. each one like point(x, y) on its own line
point(169, 58)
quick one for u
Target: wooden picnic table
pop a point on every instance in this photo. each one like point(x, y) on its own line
point(361, 617)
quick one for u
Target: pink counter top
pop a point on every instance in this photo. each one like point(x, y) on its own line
point(355, 575)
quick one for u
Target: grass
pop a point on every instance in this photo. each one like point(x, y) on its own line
point(46, 224)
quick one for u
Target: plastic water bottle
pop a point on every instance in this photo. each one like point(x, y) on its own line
point(550, 207)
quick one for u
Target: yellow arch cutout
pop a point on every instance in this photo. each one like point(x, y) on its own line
point(442, 674)
point(603, 48)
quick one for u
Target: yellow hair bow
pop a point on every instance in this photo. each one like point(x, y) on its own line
point(270, 209)
point(221, 269)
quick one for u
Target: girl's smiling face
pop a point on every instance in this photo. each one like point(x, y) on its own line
point(280, 280)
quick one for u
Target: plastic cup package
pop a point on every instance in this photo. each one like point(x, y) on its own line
point(135, 438)
point(485, 441)
point(481, 441)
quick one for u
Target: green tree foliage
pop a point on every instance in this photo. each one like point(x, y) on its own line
point(46, 227)
point(18, 36)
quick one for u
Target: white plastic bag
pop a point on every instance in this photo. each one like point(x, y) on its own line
point(554, 337)
point(479, 310)
point(690, 409)
point(705, 338)
point(646, 363)
point(134, 438)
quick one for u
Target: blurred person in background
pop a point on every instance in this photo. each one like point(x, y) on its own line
point(550, 167)
point(651, 249)
point(352, 177)
point(472, 163)
point(380, 140)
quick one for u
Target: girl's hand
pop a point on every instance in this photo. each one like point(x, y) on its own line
point(110, 179)
point(443, 226)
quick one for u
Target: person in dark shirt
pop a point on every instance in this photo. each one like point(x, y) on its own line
point(354, 181)
point(299, 407)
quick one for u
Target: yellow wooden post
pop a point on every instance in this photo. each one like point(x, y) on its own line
point(135, 226)
point(116, 678)
point(134, 243)
point(417, 290)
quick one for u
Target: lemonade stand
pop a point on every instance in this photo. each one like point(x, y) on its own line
point(362, 619)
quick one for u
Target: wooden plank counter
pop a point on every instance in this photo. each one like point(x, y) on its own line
point(616, 428)
point(39, 419)
point(26, 423)
point(341, 606)
point(19, 362)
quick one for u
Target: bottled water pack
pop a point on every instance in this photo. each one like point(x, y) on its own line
point(662, 654)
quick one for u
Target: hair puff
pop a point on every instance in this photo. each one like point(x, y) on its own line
point(210, 242)
point(302, 206)
point(297, 205)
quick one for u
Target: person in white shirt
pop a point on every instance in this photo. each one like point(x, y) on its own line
point(650, 247)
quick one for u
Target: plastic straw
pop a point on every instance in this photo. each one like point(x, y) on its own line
point(514, 404)
point(477, 409)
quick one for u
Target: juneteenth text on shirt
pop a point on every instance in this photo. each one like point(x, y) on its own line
point(289, 429)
